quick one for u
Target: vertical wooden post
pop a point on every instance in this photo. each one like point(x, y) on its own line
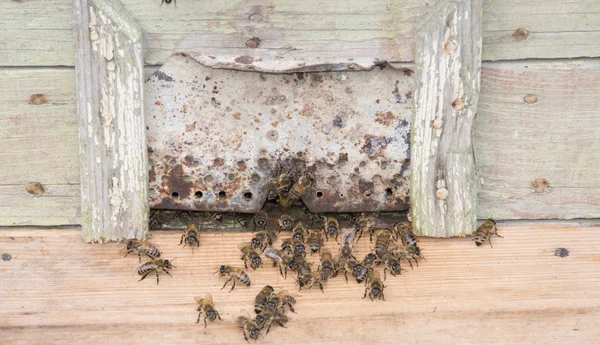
point(443, 188)
point(112, 138)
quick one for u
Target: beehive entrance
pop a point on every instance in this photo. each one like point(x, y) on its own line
point(217, 136)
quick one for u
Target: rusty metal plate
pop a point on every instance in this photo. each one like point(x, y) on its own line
point(217, 136)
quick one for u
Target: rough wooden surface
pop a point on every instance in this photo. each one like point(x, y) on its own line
point(538, 121)
point(443, 185)
point(558, 28)
point(38, 143)
point(112, 132)
point(57, 289)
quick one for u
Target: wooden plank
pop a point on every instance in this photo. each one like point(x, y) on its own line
point(38, 143)
point(36, 35)
point(443, 185)
point(112, 132)
point(463, 294)
point(550, 135)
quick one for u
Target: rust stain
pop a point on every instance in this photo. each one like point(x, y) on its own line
point(374, 145)
point(246, 60)
point(37, 99)
point(237, 116)
point(241, 166)
point(408, 95)
point(218, 162)
point(306, 110)
point(254, 42)
point(275, 124)
point(386, 118)
point(158, 103)
point(177, 182)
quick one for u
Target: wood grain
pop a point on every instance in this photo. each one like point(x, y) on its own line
point(443, 183)
point(112, 131)
point(57, 288)
point(41, 35)
point(38, 143)
point(554, 137)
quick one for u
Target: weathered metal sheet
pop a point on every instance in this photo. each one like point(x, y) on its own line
point(217, 136)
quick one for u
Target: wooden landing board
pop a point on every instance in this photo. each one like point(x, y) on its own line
point(38, 34)
point(57, 289)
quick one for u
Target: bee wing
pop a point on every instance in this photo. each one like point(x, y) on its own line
point(198, 299)
point(209, 297)
point(325, 251)
point(243, 245)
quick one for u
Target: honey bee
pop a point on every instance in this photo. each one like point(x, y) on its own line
point(280, 183)
point(249, 327)
point(249, 254)
point(299, 248)
point(280, 301)
point(332, 228)
point(260, 301)
point(390, 262)
point(315, 241)
point(364, 267)
point(315, 220)
point(267, 317)
point(286, 222)
point(310, 279)
point(287, 246)
point(263, 239)
point(404, 232)
point(206, 306)
point(299, 231)
point(350, 265)
point(141, 247)
point(240, 219)
point(216, 217)
point(300, 187)
point(485, 232)
point(384, 237)
point(346, 251)
point(232, 274)
point(285, 202)
point(261, 219)
point(327, 267)
point(374, 286)
point(363, 223)
point(408, 253)
point(190, 235)
point(158, 265)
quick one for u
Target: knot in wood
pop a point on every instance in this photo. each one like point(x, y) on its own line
point(458, 104)
point(35, 188)
point(540, 185)
point(530, 99)
point(254, 42)
point(521, 34)
point(441, 194)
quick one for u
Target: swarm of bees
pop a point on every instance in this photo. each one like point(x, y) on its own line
point(391, 248)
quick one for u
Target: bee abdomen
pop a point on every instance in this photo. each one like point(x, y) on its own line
point(244, 278)
point(153, 252)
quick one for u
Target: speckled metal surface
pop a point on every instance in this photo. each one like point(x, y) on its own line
point(217, 136)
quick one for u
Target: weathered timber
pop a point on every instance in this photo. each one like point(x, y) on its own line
point(443, 183)
point(55, 288)
point(112, 138)
point(537, 140)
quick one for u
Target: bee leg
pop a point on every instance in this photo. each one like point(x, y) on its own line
point(219, 316)
point(490, 240)
point(346, 276)
point(382, 296)
point(321, 287)
point(246, 337)
point(205, 321)
point(384, 274)
point(182, 237)
point(167, 272)
point(156, 276)
point(232, 285)
point(365, 295)
point(144, 276)
point(226, 283)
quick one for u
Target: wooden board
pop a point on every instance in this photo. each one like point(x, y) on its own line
point(553, 137)
point(38, 143)
point(56, 288)
point(354, 28)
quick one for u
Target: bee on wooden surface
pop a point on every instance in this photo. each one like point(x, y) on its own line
point(408, 253)
point(249, 327)
point(233, 274)
point(280, 301)
point(485, 232)
point(216, 217)
point(286, 222)
point(315, 220)
point(299, 247)
point(155, 219)
point(206, 306)
point(300, 187)
point(260, 220)
point(285, 202)
point(350, 265)
point(263, 239)
point(405, 233)
point(191, 236)
point(260, 301)
point(141, 247)
point(315, 241)
point(332, 228)
point(249, 254)
point(267, 317)
point(391, 262)
point(374, 286)
point(287, 245)
point(327, 267)
point(158, 265)
point(364, 267)
point(280, 183)
point(384, 237)
point(346, 251)
point(364, 223)
point(299, 231)
point(308, 280)
point(240, 219)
